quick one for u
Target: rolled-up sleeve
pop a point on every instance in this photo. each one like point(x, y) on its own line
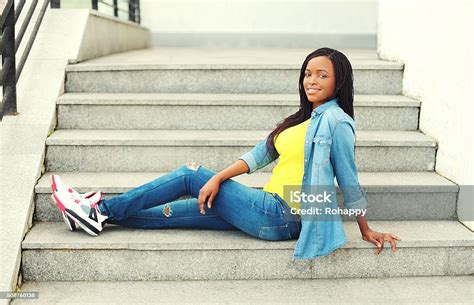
point(250, 160)
point(258, 157)
point(345, 170)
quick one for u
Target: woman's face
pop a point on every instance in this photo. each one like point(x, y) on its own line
point(319, 80)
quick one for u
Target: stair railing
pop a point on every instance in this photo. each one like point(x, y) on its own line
point(10, 72)
point(133, 10)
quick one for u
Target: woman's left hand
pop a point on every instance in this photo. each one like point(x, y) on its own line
point(378, 239)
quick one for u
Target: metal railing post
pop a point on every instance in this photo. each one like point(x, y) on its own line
point(131, 10)
point(55, 3)
point(9, 64)
point(137, 11)
point(115, 8)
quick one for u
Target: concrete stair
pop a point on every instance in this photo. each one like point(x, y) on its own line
point(422, 196)
point(370, 77)
point(427, 248)
point(403, 290)
point(129, 118)
point(218, 111)
point(165, 149)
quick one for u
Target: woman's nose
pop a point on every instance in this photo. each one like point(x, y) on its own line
point(314, 80)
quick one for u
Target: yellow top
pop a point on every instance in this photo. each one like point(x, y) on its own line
point(290, 167)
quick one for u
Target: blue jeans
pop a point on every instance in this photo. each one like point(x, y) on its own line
point(154, 205)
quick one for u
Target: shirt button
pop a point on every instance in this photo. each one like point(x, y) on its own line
point(306, 141)
point(305, 160)
point(304, 177)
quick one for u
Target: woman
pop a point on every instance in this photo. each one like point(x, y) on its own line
point(313, 145)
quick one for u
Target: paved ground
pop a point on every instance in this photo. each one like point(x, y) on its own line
point(412, 290)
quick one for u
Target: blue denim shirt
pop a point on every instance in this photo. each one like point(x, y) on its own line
point(328, 153)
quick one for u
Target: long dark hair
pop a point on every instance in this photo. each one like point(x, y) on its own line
point(344, 92)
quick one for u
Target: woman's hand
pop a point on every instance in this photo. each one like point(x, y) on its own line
point(210, 189)
point(379, 239)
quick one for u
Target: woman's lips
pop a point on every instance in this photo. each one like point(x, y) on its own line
point(312, 91)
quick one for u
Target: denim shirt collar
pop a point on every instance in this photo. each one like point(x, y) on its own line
point(321, 108)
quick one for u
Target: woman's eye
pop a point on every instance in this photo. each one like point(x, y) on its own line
point(320, 76)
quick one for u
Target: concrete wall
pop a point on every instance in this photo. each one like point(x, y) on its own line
point(266, 23)
point(434, 39)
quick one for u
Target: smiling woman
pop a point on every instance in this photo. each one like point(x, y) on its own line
point(314, 145)
point(325, 121)
point(329, 72)
point(319, 80)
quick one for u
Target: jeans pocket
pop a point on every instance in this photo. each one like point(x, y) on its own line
point(281, 202)
point(275, 232)
point(268, 207)
point(286, 210)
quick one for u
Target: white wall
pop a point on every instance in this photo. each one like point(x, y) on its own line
point(434, 38)
point(352, 20)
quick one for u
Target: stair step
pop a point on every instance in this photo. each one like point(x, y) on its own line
point(433, 289)
point(221, 70)
point(391, 195)
point(164, 150)
point(217, 111)
point(369, 78)
point(218, 55)
point(50, 252)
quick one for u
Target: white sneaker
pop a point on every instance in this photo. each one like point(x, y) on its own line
point(57, 183)
point(71, 225)
point(82, 211)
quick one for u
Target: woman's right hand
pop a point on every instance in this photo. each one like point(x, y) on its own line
point(208, 191)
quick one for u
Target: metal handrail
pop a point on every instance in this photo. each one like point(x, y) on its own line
point(30, 42)
point(10, 72)
point(18, 9)
point(25, 25)
point(115, 7)
point(133, 8)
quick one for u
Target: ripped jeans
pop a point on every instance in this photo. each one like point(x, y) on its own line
point(154, 205)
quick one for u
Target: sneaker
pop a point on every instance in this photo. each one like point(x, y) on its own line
point(58, 183)
point(71, 225)
point(82, 211)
